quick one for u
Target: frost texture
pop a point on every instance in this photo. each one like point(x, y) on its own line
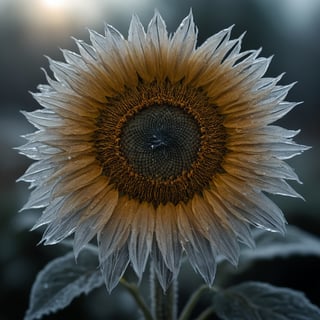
point(61, 281)
point(261, 301)
point(273, 245)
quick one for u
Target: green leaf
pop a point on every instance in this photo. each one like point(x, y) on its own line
point(272, 245)
point(261, 301)
point(61, 281)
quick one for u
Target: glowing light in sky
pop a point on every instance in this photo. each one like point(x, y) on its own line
point(60, 15)
point(53, 4)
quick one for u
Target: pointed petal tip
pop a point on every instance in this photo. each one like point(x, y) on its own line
point(134, 19)
point(189, 16)
point(35, 227)
point(21, 210)
point(256, 52)
point(78, 42)
point(112, 32)
point(164, 283)
point(304, 148)
point(76, 252)
point(240, 38)
point(39, 243)
point(281, 229)
point(156, 12)
point(230, 28)
point(157, 18)
point(110, 285)
point(74, 39)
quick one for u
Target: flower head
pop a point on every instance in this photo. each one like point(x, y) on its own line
point(159, 148)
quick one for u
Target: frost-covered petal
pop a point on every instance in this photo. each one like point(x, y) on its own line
point(182, 44)
point(168, 237)
point(114, 267)
point(252, 205)
point(116, 231)
point(164, 275)
point(200, 251)
point(216, 229)
point(139, 244)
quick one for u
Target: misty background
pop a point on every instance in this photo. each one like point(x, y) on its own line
point(31, 29)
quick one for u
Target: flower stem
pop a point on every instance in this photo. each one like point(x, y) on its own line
point(205, 314)
point(186, 312)
point(164, 304)
point(134, 291)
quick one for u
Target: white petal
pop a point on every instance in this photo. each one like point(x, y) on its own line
point(115, 233)
point(73, 166)
point(79, 81)
point(63, 72)
point(81, 198)
point(281, 150)
point(60, 228)
point(56, 86)
point(164, 275)
point(276, 131)
point(262, 182)
point(43, 118)
point(136, 32)
point(49, 214)
point(77, 180)
point(157, 31)
point(157, 37)
point(208, 49)
point(234, 54)
point(114, 267)
point(71, 103)
point(84, 232)
point(99, 43)
point(167, 236)
point(214, 69)
point(253, 205)
point(262, 165)
point(74, 59)
point(265, 84)
point(200, 251)
point(39, 198)
point(229, 79)
point(182, 44)
point(102, 205)
point(141, 54)
point(239, 226)
point(87, 52)
point(216, 228)
point(142, 229)
point(111, 73)
point(259, 67)
point(93, 219)
point(45, 88)
point(121, 63)
point(39, 170)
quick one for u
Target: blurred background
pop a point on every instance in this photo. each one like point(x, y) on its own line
point(30, 29)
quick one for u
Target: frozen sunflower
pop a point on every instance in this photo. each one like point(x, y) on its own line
point(160, 148)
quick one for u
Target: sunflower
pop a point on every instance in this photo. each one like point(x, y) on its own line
point(160, 148)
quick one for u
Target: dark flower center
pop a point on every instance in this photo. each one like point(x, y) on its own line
point(160, 143)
